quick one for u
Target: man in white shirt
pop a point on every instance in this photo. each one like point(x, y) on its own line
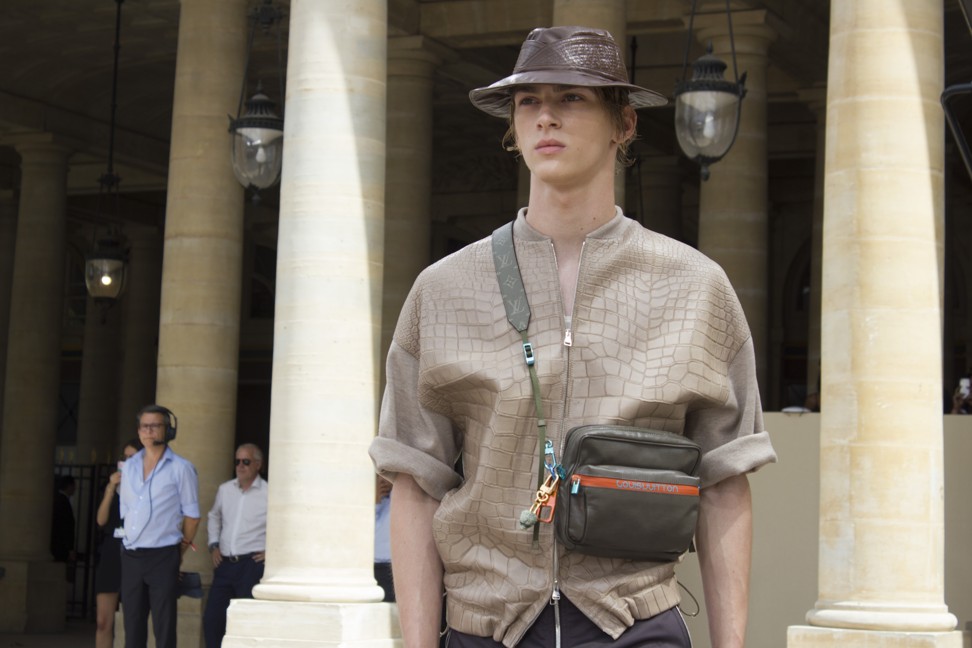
point(237, 540)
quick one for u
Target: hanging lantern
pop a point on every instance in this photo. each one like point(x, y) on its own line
point(257, 143)
point(708, 107)
point(105, 270)
point(257, 146)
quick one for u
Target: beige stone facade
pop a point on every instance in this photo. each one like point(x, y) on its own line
point(840, 215)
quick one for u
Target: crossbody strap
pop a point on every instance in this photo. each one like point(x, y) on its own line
point(518, 313)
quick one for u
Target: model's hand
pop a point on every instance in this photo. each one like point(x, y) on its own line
point(115, 479)
point(259, 556)
point(217, 557)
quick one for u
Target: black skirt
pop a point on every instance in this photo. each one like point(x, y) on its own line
point(108, 565)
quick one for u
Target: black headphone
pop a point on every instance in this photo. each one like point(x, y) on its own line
point(171, 422)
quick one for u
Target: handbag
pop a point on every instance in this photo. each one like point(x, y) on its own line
point(628, 493)
point(619, 492)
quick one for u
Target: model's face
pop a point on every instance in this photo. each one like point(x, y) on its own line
point(565, 134)
point(247, 465)
point(151, 428)
point(128, 452)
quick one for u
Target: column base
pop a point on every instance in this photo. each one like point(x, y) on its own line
point(815, 637)
point(888, 617)
point(33, 597)
point(254, 622)
point(320, 586)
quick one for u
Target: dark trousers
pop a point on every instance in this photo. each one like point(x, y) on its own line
point(383, 575)
point(232, 579)
point(664, 630)
point(150, 582)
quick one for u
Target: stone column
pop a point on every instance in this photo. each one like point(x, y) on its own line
point(199, 321)
point(602, 14)
point(140, 328)
point(881, 580)
point(733, 202)
point(32, 589)
point(661, 195)
point(97, 413)
point(319, 585)
point(817, 99)
point(408, 173)
point(8, 235)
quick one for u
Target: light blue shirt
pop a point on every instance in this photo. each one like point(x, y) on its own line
point(383, 530)
point(152, 509)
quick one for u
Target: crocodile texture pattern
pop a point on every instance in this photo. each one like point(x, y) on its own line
point(655, 328)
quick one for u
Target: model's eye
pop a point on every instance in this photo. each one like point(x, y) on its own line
point(525, 100)
point(570, 96)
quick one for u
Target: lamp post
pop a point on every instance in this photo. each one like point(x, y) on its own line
point(708, 107)
point(257, 143)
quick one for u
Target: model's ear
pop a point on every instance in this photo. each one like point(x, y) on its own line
point(630, 120)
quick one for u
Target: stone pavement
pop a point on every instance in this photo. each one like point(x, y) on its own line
point(77, 634)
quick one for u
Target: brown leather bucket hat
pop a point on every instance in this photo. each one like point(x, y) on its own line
point(571, 56)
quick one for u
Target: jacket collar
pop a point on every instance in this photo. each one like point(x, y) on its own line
point(614, 228)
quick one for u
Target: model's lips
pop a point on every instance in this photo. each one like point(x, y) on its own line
point(548, 146)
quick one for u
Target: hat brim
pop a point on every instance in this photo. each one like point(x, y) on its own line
point(495, 99)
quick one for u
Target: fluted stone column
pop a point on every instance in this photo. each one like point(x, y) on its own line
point(31, 591)
point(140, 327)
point(733, 202)
point(408, 173)
point(319, 584)
point(602, 14)
point(8, 235)
point(817, 99)
point(661, 196)
point(881, 580)
point(97, 413)
point(199, 321)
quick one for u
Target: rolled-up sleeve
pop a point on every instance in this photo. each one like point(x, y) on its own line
point(189, 492)
point(411, 438)
point(732, 435)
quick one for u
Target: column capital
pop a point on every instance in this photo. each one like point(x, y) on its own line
point(751, 31)
point(418, 48)
point(37, 142)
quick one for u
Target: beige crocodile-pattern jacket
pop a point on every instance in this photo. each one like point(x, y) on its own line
point(658, 340)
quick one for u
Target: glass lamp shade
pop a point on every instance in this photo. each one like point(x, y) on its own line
point(707, 111)
point(104, 276)
point(257, 151)
point(705, 122)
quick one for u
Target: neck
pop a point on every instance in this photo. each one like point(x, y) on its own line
point(154, 452)
point(245, 485)
point(568, 215)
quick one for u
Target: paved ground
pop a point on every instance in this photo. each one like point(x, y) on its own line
point(77, 634)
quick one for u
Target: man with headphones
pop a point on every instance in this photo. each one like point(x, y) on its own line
point(160, 508)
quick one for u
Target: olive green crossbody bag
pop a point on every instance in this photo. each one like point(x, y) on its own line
point(618, 491)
